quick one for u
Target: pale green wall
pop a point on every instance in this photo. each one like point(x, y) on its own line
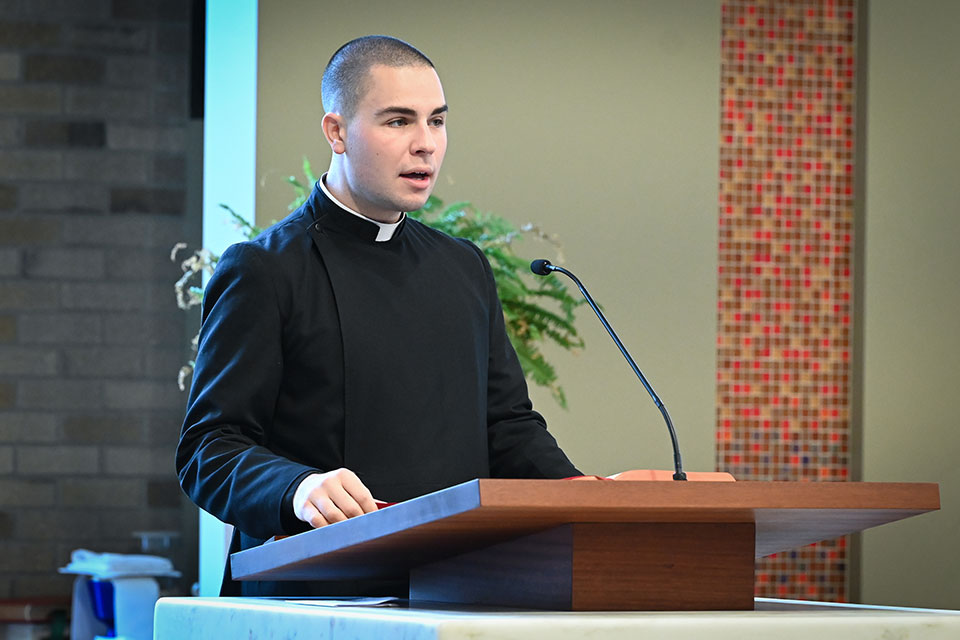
point(597, 120)
point(912, 303)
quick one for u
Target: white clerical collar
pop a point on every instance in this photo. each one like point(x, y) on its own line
point(386, 229)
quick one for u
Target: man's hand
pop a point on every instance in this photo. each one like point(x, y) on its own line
point(325, 498)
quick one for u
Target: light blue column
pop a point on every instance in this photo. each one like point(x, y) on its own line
point(229, 177)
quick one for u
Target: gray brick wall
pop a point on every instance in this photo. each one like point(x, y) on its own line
point(94, 136)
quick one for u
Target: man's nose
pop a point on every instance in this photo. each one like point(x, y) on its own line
point(424, 140)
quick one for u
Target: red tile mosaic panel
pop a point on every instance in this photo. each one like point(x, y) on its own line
point(785, 281)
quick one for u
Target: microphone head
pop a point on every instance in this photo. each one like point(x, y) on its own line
point(541, 267)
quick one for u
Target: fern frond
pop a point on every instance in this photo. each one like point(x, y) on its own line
point(249, 230)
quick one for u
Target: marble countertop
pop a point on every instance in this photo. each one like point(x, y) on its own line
point(249, 618)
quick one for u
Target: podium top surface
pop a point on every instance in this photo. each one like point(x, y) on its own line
point(488, 511)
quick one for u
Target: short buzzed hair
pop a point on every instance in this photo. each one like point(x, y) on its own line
point(346, 78)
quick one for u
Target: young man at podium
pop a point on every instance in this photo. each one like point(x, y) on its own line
point(350, 353)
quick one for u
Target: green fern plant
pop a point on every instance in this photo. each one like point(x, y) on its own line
point(536, 310)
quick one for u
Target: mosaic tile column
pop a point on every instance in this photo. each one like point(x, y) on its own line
point(785, 261)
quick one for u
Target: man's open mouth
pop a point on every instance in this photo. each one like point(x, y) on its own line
point(416, 175)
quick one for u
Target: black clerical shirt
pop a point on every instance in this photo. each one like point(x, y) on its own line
point(321, 348)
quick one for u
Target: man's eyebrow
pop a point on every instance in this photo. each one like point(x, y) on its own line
point(407, 111)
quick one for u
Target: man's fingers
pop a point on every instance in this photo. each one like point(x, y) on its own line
point(329, 509)
point(312, 516)
point(359, 492)
point(344, 501)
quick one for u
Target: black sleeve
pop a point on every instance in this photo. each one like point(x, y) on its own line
point(519, 444)
point(222, 459)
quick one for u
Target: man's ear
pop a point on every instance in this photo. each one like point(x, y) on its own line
point(334, 130)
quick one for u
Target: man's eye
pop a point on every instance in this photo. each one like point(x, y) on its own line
point(396, 123)
point(438, 122)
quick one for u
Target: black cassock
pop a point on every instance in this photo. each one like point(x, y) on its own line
point(321, 348)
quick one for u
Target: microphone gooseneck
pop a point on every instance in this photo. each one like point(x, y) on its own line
point(543, 267)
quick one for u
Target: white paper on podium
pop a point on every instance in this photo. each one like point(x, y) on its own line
point(389, 601)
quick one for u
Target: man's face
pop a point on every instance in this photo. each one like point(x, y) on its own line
point(394, 143)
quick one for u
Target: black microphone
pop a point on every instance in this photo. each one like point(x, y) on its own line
point(543, 267)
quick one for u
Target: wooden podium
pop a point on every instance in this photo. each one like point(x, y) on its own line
point(582, 546)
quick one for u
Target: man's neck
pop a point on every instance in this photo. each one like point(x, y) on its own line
point(338, 190)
